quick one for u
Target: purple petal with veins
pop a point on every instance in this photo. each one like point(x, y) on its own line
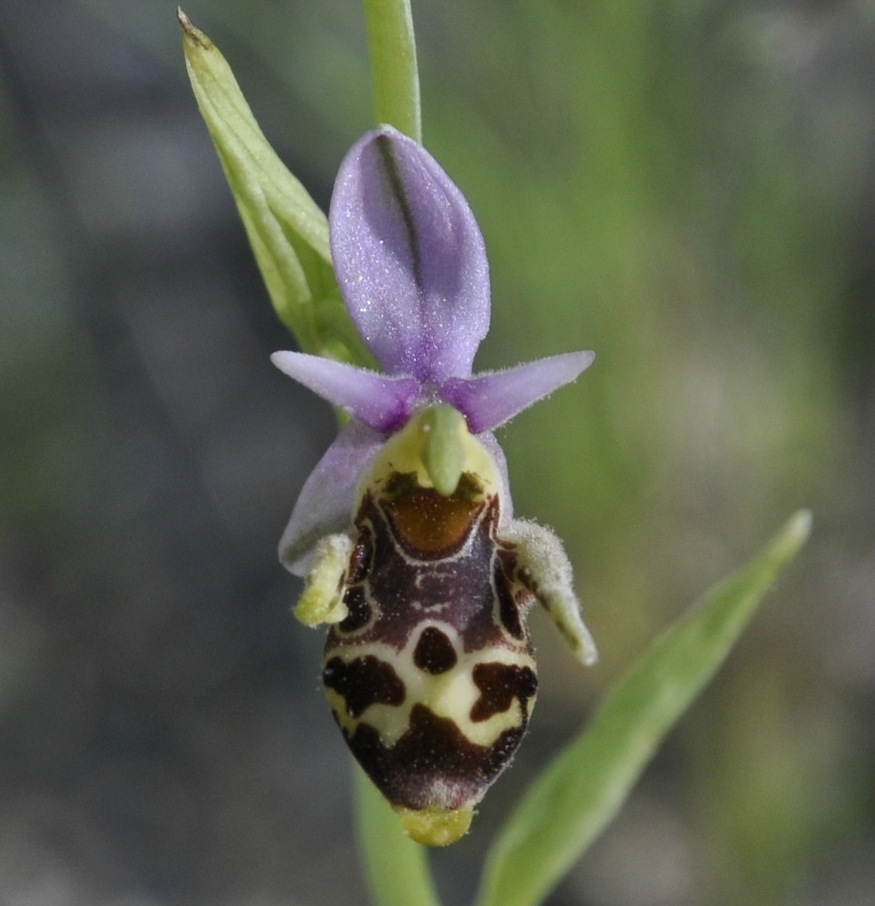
point(409, 258)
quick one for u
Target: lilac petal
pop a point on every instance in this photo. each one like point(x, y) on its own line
point(325, 504)
point(382, 403)
point(490, 399)
point(409, 258)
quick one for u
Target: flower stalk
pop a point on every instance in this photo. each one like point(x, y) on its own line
point(394, 71)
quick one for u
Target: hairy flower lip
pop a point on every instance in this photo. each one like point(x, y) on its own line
point(411, 266)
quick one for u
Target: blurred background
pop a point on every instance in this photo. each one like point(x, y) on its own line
point(685, 187)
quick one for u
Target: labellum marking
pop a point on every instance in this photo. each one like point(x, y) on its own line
point(431, 675)
point(428, 665)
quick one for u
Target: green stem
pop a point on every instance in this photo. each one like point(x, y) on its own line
point(397, 868)
point(393, 65)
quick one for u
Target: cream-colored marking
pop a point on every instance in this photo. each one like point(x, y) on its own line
point(451, 694)
point(322, 598)
point(541, 555)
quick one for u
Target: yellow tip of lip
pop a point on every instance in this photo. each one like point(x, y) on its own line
point(436, 827)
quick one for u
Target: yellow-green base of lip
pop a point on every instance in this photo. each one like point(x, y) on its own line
point(436, 827)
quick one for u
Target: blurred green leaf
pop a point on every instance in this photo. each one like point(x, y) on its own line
point(585, 786)
point(397, 868)
point(286, 228)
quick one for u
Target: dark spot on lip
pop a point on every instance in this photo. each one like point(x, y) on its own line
point(363, 682)
point(499, 685)
point(434, 652)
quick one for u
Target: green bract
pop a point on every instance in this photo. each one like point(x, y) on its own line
point(286, 228)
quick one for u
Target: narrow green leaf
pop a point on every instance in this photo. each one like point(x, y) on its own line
point(582, 790)
point(393, 65)
point(286, 228)
point(397, 868)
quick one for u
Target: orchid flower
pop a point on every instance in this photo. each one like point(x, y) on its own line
point(411, 264)
point(404, 530)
